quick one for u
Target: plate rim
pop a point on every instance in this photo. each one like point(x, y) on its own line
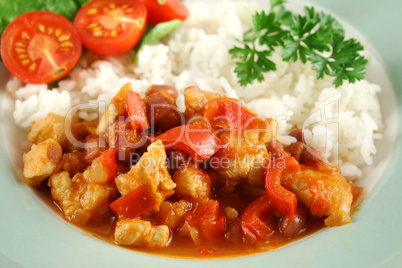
point(327, 247)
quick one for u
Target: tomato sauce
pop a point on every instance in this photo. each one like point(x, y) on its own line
point(174, 202)
point(183, 248)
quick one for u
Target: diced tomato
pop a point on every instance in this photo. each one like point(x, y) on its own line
point(111, 27)
point(214, 229)
point(165, 10)
point(197, 141)
point(257, 218)
point(207, 251)
point(40, 47)
point(108, 160)
point(134, 203)
point(209, 221)
point(231, 112)
point(136, 111)
point(284, 201)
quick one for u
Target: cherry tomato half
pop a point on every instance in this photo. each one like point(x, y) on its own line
point(111, 27)
point(40, 47)
point(165, 10)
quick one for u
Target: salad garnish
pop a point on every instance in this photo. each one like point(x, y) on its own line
point(43, 46)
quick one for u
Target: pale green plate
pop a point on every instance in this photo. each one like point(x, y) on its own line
point(31, 235)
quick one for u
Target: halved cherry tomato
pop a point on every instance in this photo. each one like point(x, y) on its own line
point(111, 27)
point(165, 10)
point(40, 47)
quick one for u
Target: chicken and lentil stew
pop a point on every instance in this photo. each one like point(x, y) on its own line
point(211, 180)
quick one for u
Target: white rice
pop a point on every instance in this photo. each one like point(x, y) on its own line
point(344, 123)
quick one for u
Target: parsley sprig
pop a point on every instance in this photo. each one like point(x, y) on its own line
point(314, 36)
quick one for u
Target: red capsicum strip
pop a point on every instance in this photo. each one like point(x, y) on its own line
point(134, 203)
point(283, 201)
point(231, 112)
point(136, 111)
point(108, 161)
point(256, 219)
point(197, 141)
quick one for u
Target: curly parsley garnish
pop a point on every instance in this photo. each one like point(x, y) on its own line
point(315, 36)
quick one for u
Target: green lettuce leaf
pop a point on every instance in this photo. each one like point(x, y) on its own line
point(10, 9)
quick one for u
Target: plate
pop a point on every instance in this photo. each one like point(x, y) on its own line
point(31, 235)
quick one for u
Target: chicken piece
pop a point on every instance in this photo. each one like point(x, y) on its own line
point(192, 183)
point(241, 160)
point(263, 132)
point(81, 201)
point(244, 156)
point(162, 111)
point(41, 161)
point(150, 169)
point(245, 168)
point(195, 100)
point(116, 107)
point(73, 163)
point(93, 148)
point(96, 172)
point(124, 139)
point(171, 214)
point(56, 127)
point(83, 128)
point(136, 232)
point(326, 193)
